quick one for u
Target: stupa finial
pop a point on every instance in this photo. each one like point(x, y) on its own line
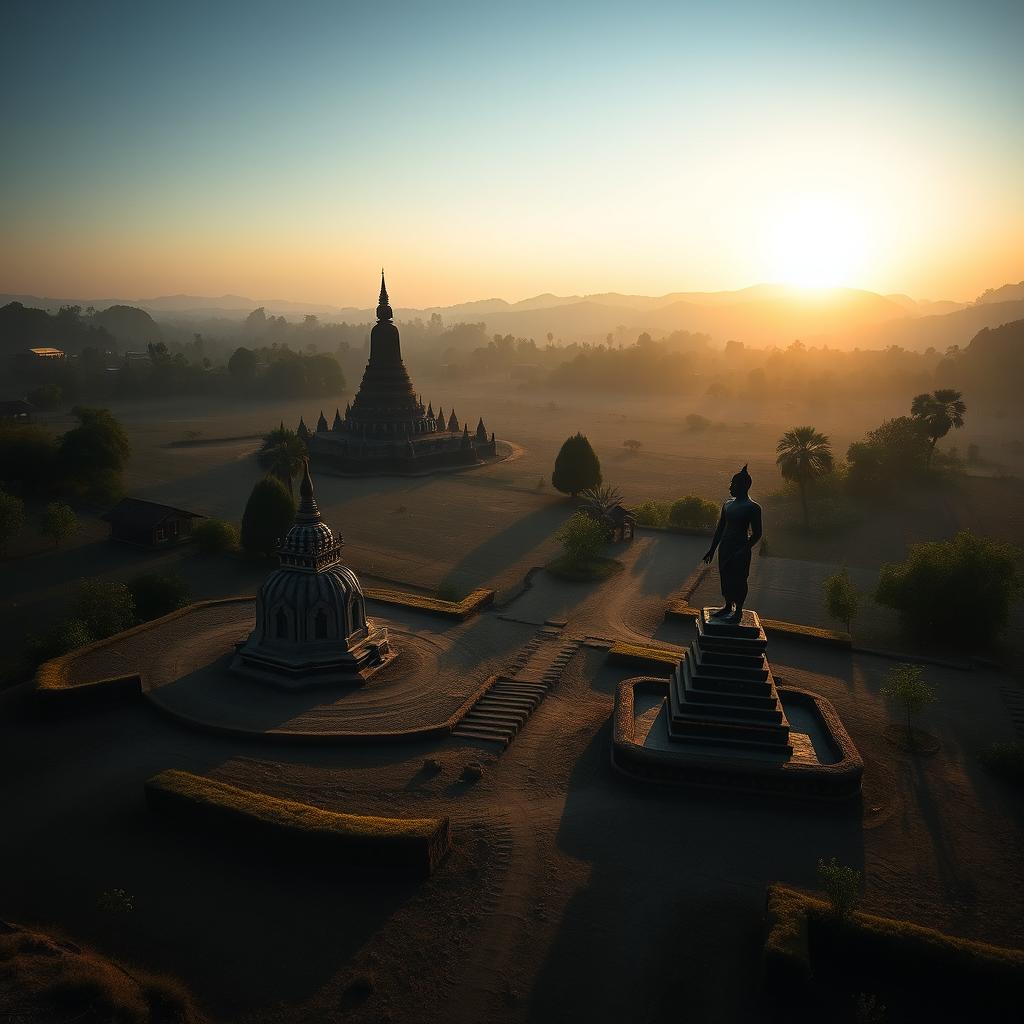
point(383, 308)
point(308, 512)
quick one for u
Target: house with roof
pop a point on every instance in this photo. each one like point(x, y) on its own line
point(149, 524)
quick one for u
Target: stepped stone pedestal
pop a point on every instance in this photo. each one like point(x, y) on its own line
point(723, 693)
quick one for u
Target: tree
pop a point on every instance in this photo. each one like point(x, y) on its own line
point(104, 607)
point(889, 456)
point(941, 411)
point(841, 884)
point(157, 594)
point(91, 457)
point(283, 453)
point(906, 687)
point(694, 512)
point(842, 598)
point(582, 537)
point(956, 591)
point(58, 523)
point(268, 515)
point(803, 456)
point(12, 518)
point(214, 537)
point(242, 364)
point(632, 445)
point(577, 466)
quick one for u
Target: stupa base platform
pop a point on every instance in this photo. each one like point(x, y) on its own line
point(353, 667)
point(721, 721)
point(340, 455)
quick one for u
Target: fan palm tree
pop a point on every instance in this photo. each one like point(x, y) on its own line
point(804, 455)
point(599, 501)
point(283, 454)
point(941, 411)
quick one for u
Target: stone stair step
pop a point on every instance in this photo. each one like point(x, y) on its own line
point(760, 737)
point(706, 665)
point(691, 692)
point(493, 735)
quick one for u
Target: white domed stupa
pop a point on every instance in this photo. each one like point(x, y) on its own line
point(311, 624)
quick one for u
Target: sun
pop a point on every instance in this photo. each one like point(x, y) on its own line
point(816, 242)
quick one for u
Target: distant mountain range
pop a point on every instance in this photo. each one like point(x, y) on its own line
point(763, 314)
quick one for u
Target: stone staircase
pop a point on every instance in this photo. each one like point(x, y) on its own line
point(723, 694)
point(501, 711)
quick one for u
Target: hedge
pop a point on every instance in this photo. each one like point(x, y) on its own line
point(415, 843)
point(807, 945)
point(636, 655)
point(471, 604)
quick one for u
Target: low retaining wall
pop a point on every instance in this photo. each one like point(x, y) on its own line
point(470, 605)
point(417, 844)
point(831, 782)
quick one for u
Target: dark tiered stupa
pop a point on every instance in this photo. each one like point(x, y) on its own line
point(387, 429)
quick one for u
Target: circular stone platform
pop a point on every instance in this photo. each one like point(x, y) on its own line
point(185, 662)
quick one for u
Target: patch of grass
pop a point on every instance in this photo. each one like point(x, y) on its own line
point(55, 980)
point(1005, 760)
point(590, 571)
point(416, 842)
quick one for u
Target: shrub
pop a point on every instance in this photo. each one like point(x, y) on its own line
point(1006, 760)
point(694, 512)
point(841, 884)
point(958, 590)
point(46, 396)
point(842, 598)
point(157, 594)
point(91, 457)
point(577, 467)
point(28, 456)
point(893, 453)
point(632, 445)
point(104, 607)
point(12, 518)
point(268, 515)
point(696, 423)
point(214, 537)
point(582, 537)
point(652, 513)
point(58, 523)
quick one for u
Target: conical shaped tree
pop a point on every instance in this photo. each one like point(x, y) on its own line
point(577, 466)
point(283, 453)
point(268, 515)
point(940, 412)
point(803, 456)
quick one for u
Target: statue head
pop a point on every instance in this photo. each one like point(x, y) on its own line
point(740, 483)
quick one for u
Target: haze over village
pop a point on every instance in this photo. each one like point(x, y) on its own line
point(512, 516)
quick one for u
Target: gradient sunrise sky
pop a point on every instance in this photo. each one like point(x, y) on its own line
point(289, 149)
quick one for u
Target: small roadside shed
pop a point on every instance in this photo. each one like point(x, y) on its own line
point(135, 521)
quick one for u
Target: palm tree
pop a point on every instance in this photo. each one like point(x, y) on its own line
point(804, 455)
point(599, 501)
point(283, 453)
point(941, 411)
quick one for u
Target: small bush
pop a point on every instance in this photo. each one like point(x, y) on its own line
point(652, 513)
point(694, 512)
point(104, 607)
point(58, 523)
point(582, 537)
point(696, 423)
point(842, 598)
point(1006, 760)
point(841, 884)
point(214, 537)
point(157, 594)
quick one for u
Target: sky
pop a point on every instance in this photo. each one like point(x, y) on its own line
point(288, 150)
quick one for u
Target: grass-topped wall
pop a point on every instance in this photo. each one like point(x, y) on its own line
point(471, 604)
point(417, 844)
point(817, 962)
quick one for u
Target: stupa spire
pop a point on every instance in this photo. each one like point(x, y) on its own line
point(384, 311)
point(308, 512)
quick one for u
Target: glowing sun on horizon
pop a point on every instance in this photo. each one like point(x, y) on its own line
point(817, 242)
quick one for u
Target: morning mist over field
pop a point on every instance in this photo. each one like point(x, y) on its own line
point(511, 513)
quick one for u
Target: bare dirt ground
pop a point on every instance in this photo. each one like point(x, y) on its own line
point(571, 893)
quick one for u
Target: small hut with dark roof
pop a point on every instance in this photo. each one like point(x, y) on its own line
point(147, 523)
